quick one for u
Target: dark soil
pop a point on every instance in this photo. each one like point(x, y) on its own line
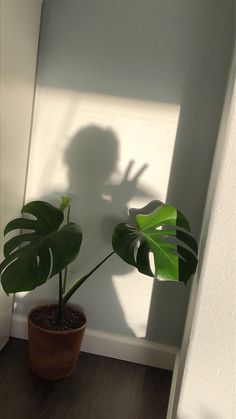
point(46, 317)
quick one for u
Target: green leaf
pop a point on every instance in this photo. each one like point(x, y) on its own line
point(34, 256)
point(65, 202)
point(165, 233)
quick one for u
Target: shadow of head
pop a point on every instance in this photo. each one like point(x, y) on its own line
point(92, 155)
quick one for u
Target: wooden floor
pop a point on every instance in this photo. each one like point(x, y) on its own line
point(102, 388)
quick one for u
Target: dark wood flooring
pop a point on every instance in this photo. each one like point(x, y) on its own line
point(102, 388)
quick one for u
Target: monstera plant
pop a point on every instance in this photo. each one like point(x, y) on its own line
point(160, 245)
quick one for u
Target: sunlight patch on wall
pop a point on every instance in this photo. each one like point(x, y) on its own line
point(144, 130)
point(22, 294)
point(18, 301)
point(110, 154)
point(129, 290)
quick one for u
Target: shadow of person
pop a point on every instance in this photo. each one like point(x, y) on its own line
point(99, 201)
point(92, 159)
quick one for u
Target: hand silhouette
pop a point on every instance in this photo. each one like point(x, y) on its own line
point(122, 193)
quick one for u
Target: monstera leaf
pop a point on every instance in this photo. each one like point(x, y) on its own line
point(34, 256)
point(165, 235)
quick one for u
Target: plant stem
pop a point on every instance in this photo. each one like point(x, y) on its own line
point(65, 271)
point(68, 213)
point(78, 282)
point(64, 280)
point(60, 319)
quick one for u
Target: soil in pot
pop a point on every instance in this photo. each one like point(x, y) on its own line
point(53, 352)
point(46, 316)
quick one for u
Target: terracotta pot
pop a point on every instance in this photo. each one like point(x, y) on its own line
point(53, 354)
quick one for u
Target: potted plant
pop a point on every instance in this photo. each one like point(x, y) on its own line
point(45, 247)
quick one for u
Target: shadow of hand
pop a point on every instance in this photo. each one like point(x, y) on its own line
point(120, 194)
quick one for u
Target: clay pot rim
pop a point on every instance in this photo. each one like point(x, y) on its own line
point(57, 332)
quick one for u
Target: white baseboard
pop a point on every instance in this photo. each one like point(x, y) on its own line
point(114, 346)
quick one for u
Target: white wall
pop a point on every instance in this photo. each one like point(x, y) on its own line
point(19, 41)
point(209, 382)
point(122, 81)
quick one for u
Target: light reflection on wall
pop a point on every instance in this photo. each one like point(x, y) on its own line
point(145, 132)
